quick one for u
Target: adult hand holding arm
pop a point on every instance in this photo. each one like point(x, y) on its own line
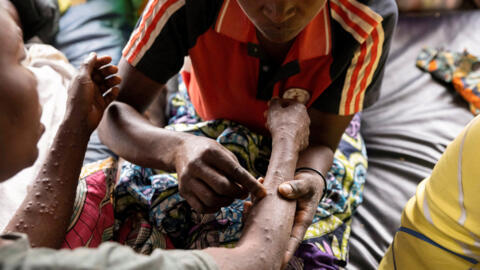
point(209, 175)
point(307, 187)
point(269, 223)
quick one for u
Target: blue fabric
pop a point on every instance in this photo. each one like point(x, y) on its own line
point(96, 26)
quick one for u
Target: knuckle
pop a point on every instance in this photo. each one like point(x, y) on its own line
point(200, 208)
point(210, 150)
point(210, 200)
point(82, 78)
point(237, 170)
point(224, 186)
point(182, 189)
point(232, 155)
point(194, 165)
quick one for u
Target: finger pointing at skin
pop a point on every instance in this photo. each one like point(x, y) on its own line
point(220, 184)
point(239, 175)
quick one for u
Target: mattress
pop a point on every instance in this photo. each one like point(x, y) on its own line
point(409, 127)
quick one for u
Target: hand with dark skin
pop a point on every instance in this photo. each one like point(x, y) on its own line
point(133, 137)
point(46, 211)
point(268, 226)
point(307, 186)
point(127, 133)
point(203, 166)
point(209, 175)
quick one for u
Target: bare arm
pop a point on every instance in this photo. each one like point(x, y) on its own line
point(209, 175)
point(267, 230)
point(46, 211)
point(307, 187)
point(128, 133)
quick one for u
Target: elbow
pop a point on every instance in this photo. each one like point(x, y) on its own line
point(110, 116)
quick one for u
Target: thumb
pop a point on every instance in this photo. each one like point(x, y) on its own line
point(89, 64)
point(295, 189)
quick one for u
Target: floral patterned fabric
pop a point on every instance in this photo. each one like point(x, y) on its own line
point(462, 70)
point(93, 216)
point(151, 214)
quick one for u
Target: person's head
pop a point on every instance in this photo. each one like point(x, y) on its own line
point(280, 21)
point(20, 110)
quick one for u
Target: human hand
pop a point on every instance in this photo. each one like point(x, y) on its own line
point(307, 188)
point(92, 90)
point(288, 117)
point(210, 177)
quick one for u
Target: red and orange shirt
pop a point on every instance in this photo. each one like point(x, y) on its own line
point(338, 58)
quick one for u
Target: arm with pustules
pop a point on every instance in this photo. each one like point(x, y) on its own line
point(45, 213)
point(269, 223)
point(307, 187)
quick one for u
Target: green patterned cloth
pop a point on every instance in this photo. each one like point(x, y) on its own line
point(153, 196)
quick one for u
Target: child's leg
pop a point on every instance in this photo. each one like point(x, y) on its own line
point(440, 226)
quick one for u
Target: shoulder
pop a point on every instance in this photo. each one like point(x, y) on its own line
point(387, 9)
point(359, 18)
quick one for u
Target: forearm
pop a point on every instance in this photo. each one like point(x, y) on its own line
point(46, 211)
point(268, 228)
point(131, 136)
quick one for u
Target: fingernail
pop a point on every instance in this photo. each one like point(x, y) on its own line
point(286, 188)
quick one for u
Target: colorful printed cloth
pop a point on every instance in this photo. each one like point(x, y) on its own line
point(151, 214)
point(93, 217)
point(462, 70)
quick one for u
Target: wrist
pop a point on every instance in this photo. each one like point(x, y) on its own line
point(172, 144)
point(286, 141)
point(74, 127)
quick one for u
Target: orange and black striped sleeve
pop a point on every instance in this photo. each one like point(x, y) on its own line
point(165, 32)
point(361, 35)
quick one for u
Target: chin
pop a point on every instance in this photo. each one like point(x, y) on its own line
point(280, 37)
point(32, 157)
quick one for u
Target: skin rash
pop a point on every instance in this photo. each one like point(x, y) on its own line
point(269, 223)
point(210, 176)
point(45, 213)
point(47, 208)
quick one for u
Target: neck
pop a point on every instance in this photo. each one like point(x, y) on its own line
point(276, 52)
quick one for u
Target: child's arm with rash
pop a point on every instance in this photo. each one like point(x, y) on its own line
point(46, 211)
point(267, 230)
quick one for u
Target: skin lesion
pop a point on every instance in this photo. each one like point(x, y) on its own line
point(270, 220)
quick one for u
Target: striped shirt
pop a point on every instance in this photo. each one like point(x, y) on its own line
point(338, 58)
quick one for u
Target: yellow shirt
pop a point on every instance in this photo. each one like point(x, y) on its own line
point(440, 226)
